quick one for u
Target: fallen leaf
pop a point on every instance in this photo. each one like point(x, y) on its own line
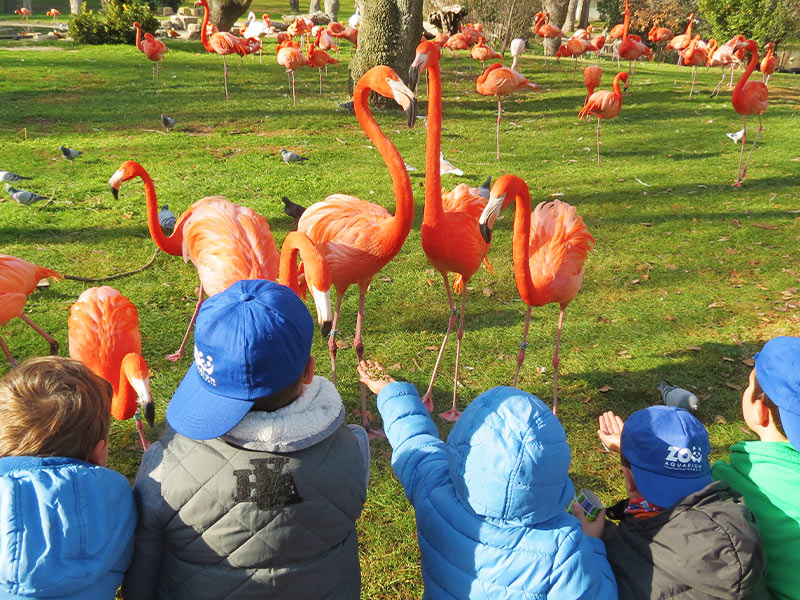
point(733, 386)
point(728, 359)
point(605, 388)
point(736, 223)
point(432, 348)
point(646, 224)
point(749, 362)
point(127, 216)
point(395, 367)
point(342, 345)
point(765, 226)
point(671, 267)
point(385, 278)
point(635, 281)
point(694, 348)
point(669, 318)
point(720, 420)
point(731, 251)
point(714, 305)
point(488, 292)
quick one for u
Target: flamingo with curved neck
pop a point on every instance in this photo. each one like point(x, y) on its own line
point(682, 41)
point(769, 63)
point(356, 237)
point(549, 248)
point(450, 235)
point(222, 42)
point(605, 104)
point(749, 98)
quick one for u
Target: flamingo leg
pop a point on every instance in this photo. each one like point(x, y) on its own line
point(499, 116)
point(753, 147)
point(739, 177)
point(598, 141)
point(332, 337)
point(716, 89)
point(427, 399)
point(372, 433)
point(50, 340)
point(320, 81)
point(522, 346)
point(225, 76)
point(140, 428)
point(174, 357)
point(555, 361)
point(294, 99)
point(7, 352)
point(730, 83)
point(453, 414)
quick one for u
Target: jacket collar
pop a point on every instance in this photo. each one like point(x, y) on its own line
point(9, 464)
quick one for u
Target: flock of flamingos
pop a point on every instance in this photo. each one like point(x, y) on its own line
point(344, 241)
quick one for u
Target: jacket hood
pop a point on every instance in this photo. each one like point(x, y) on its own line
point(509, 459)
point(66, 528)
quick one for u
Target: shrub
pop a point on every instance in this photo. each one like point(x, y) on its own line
point(610, 12)
point(762, 20)
point(115, 26)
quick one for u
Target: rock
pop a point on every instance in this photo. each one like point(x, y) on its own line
point(186, 21)
point(194, 31)
point(448, 18)
point(165, 11)
point(318, 18)
point(187, 11)
point(176, 22)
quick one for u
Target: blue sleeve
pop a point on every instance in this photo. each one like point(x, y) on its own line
point(416, 447)
point(581, 570)
point(363, 444)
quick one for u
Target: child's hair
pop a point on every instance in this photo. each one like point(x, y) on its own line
point(282, 397)
point(53, 406)
point(773, 409)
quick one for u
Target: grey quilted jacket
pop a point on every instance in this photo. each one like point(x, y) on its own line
point(267, 511)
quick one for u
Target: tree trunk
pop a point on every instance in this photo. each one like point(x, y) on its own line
point(224, 13)
point(558, 11)
point(569, 22)
point(314, 7)
point(389, 34)
point(75, 6)
point(583, 22)
point(294, 6)
point(332, 9)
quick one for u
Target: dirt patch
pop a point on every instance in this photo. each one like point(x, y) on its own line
point(33, 48)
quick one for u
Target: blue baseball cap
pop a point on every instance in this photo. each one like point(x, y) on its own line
point(668, 449)
point(250, 341)
point(778, 374)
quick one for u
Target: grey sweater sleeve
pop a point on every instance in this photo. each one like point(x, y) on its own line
point(142, 576)
point(363, 444)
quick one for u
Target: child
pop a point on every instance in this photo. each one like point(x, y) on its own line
point(681, 535)
point(767, 472)
point(490, 503)
point(68, 522)
point(256, 492)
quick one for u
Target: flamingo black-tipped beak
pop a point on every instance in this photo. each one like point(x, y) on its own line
point(149, 410)
point(486, 232)
point(489, 215)
point(413, 77)
point(411, 111)
point(325, 328)
point(114, 192)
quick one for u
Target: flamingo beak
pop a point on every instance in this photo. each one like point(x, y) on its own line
point(489, 215)
point(115, 182)
point(322, 300)
point(405, 98)
point(145, 399)
point(413, 71)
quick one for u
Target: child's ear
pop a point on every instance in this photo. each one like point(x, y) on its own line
point(99, 455)
point(761, 413)
point(308, 375)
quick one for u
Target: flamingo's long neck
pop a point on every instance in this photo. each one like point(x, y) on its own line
point(299, 244)
point(401, 183)
point(124, 395)
point(751, 46)
point(139, 37)
point(626, 22)
point(520, 248)
point(204, 28)
point(433, 145)
point(615, 87)
point(172, 244)
point(538, 25)
point(689, 27)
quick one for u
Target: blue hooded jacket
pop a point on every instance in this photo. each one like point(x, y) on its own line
point(490, 504)
point(66, 529)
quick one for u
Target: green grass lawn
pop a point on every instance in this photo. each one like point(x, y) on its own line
point(688, 279)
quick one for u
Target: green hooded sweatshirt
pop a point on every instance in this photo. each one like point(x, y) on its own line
point(767, 474)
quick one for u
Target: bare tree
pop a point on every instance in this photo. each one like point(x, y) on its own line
point(75, 6)
point(332, 9)
point(558, 12)
point(569, 22)
point(583, 20)
point(223, 13)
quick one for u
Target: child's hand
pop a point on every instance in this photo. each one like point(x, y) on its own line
point(373, 375)
point(610, 430)
point(590, 528)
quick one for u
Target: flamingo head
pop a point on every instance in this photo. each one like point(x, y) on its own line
point(322, 301)
point(623, 77)
point(747, 45)
point(128, 170)
point(505, 190)
point(138, 375)
point(425, 50)
point(384, 81)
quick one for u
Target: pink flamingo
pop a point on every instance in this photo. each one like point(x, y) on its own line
point(749, 98)
point(291, 58)
point(549, 250)
point(604, 105)
point(591, 79)
point(153, 48)
point(725, 56)
point(768, 64)
point(681, 42)
point(222, 42)
point(694, 56)
point(631, 48)
point(482, 52)
point(356, 237)
point(319, 58)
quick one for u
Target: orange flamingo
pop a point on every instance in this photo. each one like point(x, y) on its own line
point(598, 42)
point(631, 48)
point(300, 26)
point(724, 56)
point(549, 250)
point(605, 105)
point(543, 27)
point(501, 81)
point(749, 98)
point(482, 52)
point(356, 237)
point(23, 12)
point(153, 48)
point(228, 243)
point(441, 39)
point(291, 58)
point(18, 279)
point(583, 34)
point(53, 12)
point(449, 217)
point(319, 58)
point(104, 335)
point(768, 64)
point(681, 42)
point(457, 41)
point(591, 79)
point(694, 56)
point(660, 36)
point(221, 42)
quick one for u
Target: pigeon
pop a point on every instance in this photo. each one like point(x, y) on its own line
point(292, 209)
point(24, 196)
point(737, 136)
point(447, 168)
point(9, 176)
point(167, 122)
point(409, 167)
point(166, 218)
point(675, 396)
point(486, 187)
point(348, 106)
point(290, 157)
point(69, 153)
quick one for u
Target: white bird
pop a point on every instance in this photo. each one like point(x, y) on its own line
point(254, 28)
point(167, 122)
point(486, 187)
point(736, 136)
point(517, 48)
point(9, 176)
point(675, 396)
point(409, 167)
point(447, 168)
point(24, 196)
point(355, 19)
point(69, 153)
point(290, 157)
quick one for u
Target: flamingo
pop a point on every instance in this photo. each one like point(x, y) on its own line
point(749, 98)
point(768, 64)
point(681, 42)
point(228, 243)
point(356, 237)
point(153, 48)
point(221, 42)
point(350, 34)
point(598, 42)
point(517, 48)
point(441, 39)
point(583, 34)
point(543, 27)
point(482, 52)
point(605, 105)
point(472, 32)
point(500, 81)
point(291, 58)
point(300, 26)
point(319, 58)
point(324, 39)
point(452, 217)
point(725, 56)
point(53, 12)
point(104, 335)
point(23, 12)
point(694, 56)
point(257, 29)
point(355, 18)
point(549, 250)
point(591, 79)
point(631, 48)
point(18, 279)
point(660, 36)
point(457, 41)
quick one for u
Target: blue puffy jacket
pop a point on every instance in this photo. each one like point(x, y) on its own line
point(490, 504)
point(66, 529)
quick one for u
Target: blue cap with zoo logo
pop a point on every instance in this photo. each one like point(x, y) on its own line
point(668, 449)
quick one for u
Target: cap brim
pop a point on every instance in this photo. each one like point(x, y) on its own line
point(790, 422)
point(665, 491)
point(199, 414)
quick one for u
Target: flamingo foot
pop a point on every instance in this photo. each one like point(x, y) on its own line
point(737, 183)
point(373, 433)
point(142, 440)
point(427, 401)
point(174, 357)
point(451, 415)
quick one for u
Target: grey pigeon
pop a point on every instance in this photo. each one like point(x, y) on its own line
point(348, 106)
point(166, 218)
point(167, 122)
point(290, 157)
point(675, 396)
point(69, 153)
point(24, 196)
point(292, 209)
point(486, 187)
point(448, 168)
point(9, 176)
point(736, 136)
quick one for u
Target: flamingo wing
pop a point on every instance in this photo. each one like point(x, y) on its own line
point(224, 42)
point(754, 97)
point(603, 104)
